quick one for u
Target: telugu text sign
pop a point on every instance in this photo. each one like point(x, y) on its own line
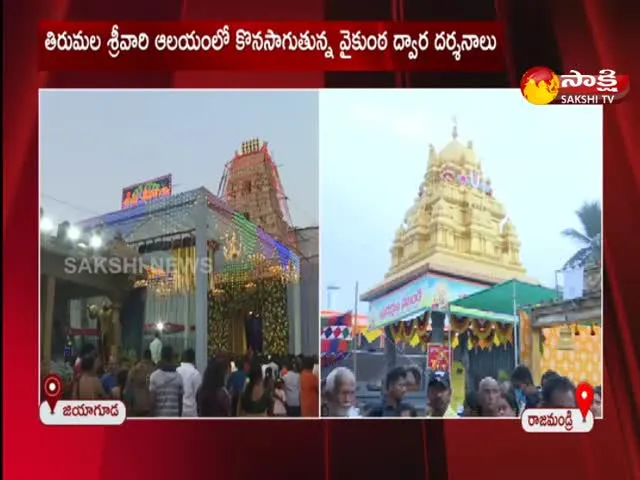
point(144, 192)
point(429, 292)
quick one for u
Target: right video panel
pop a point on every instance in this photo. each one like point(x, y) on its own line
point(461, 253)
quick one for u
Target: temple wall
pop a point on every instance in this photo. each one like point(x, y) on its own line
point(581, 364)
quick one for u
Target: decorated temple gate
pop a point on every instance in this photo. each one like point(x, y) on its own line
point(204, 267)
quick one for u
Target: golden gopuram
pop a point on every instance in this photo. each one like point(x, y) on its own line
point(455, 224)
point(456, 239)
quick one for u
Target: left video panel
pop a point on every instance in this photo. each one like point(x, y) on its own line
point(178, 254)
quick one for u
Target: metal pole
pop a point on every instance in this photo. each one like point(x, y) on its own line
point(515, 327)
point(201, 300)
point(447, 319)
point(356, 338)
point(330, 291)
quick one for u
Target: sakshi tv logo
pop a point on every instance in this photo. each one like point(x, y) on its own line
point(542, 86)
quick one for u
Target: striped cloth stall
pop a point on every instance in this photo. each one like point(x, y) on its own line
point(336, 333)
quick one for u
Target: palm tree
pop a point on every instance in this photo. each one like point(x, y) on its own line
point(589, 239)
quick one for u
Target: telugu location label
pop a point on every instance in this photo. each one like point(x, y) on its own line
point(556, 420)
point(542, 86)
point(83, 412)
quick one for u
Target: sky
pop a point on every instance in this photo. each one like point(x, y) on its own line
point(544, 163)
point(95, 143)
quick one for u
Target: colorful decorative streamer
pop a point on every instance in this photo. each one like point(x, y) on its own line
point(479, 333)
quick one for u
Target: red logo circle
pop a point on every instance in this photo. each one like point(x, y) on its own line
point(52, 386)
point(539, 85)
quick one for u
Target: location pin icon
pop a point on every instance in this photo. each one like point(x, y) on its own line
point(584, 399)
point(52, 388)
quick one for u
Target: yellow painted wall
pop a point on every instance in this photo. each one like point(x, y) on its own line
point(583, 363)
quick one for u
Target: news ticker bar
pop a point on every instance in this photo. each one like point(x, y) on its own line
point(270, 46)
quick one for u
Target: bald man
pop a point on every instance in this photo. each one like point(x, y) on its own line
point(489, 395)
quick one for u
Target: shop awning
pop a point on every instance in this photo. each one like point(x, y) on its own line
point(480, 314)
point(499, 303)
point(402, 318)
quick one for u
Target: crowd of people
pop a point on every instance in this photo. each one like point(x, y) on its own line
point(490, 399)
point(158, 386)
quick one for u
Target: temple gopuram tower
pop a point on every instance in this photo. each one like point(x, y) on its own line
point(456, 224)
point(251, 185)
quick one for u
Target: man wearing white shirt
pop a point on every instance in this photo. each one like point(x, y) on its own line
point(275, 368)
point(292, 389)
point(191, 380)
point(156, 348)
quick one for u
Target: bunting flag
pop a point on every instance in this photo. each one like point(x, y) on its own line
point(344, 320)
point(336, 336)
point(372, 335)
point(336, 332)
point(334, 346)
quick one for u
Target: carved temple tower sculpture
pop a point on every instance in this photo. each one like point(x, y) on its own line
point(251, 185)
point(456, 222)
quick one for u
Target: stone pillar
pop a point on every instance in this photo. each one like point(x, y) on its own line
point(46, 313)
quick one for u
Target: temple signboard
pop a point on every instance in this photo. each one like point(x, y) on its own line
point(429, 292)
point(141, 193)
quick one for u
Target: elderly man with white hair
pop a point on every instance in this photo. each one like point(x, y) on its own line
point(489, 395)
point(340, 390)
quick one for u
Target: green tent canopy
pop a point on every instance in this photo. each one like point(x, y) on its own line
point(497, 303)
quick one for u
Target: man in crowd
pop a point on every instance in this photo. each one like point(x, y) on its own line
point(392, 404)
point(87, 349)
point(292, 388)
point(559, 392)
point(489, 397)
point(275, 368)
point(165, 386)
point(546, 376)
point(191, 381)
point(138, 387)
point(524, 389)
point(110, 377)
point(156, 348)
point(309, 389)
point(596, 406)
point(236, 383)
point(340, 391)
point(439, 396)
